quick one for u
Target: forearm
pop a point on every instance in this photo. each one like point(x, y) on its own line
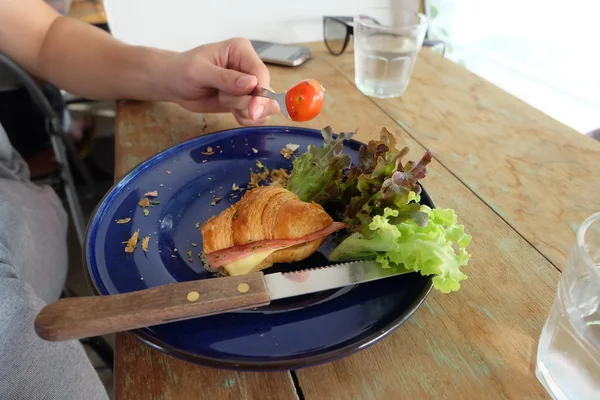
point(88, 62)
point(76, 56)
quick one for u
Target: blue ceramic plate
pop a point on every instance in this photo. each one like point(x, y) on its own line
point(287, 334)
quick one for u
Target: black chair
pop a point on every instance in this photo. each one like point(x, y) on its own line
point(66, 156)
point(64, 150)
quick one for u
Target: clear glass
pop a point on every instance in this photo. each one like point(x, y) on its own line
point(386, 44)
point(568, 359)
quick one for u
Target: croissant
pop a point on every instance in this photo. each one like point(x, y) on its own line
point(268, 225)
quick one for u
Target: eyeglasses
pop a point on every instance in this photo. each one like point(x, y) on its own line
point(336, 33)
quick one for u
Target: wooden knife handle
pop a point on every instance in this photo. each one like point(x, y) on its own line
point(80, 317)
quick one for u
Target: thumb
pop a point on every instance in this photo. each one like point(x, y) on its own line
point(231, 81)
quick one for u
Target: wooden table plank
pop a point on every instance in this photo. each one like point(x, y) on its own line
point(144, 373)
point(477, 343)
point(537, 174)
point(142, 130)
point(90, 11)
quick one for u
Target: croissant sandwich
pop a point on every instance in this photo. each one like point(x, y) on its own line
point(268, 225)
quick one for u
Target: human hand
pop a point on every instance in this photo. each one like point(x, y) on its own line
point(218, 77)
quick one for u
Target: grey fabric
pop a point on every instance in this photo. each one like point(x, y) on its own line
point(33, 268)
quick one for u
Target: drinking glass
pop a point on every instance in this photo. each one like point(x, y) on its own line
point(568, 358)
point(386, 44)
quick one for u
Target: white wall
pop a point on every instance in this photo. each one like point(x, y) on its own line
point(184, 24)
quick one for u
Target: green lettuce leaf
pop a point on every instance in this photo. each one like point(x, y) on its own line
point(438, 248)
point(317, 173)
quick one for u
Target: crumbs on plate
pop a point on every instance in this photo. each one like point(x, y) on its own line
point(209, 151)
point(280, 177)
point(145, 243)
point(277, 177)
point(132, 242)
point(257, 177)
point(145, 202)
point(288, 151)
point(123, 220)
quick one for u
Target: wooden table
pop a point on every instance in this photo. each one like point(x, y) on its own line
point(520, 182)
point(90, 11)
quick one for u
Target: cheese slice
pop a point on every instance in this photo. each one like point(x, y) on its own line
point(245, 265)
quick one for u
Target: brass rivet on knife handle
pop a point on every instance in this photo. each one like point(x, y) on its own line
point(79, 317)
point(193, 296)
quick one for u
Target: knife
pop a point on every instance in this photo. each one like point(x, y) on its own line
point(80, 317)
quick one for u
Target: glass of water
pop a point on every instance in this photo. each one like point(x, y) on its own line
point(386, 44)
point(568, 359)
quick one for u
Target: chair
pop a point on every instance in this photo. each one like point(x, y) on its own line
point(63, 148)
point(65, 154)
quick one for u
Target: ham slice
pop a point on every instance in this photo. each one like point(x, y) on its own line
point(219, 258)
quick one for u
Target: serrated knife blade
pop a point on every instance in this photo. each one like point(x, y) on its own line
point(281, 285)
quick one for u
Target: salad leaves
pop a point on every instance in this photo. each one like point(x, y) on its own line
point(357, 193)
point(378, 198)
point(437, 248)
point(317, 173)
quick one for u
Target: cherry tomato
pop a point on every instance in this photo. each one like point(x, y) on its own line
point(304, 100)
